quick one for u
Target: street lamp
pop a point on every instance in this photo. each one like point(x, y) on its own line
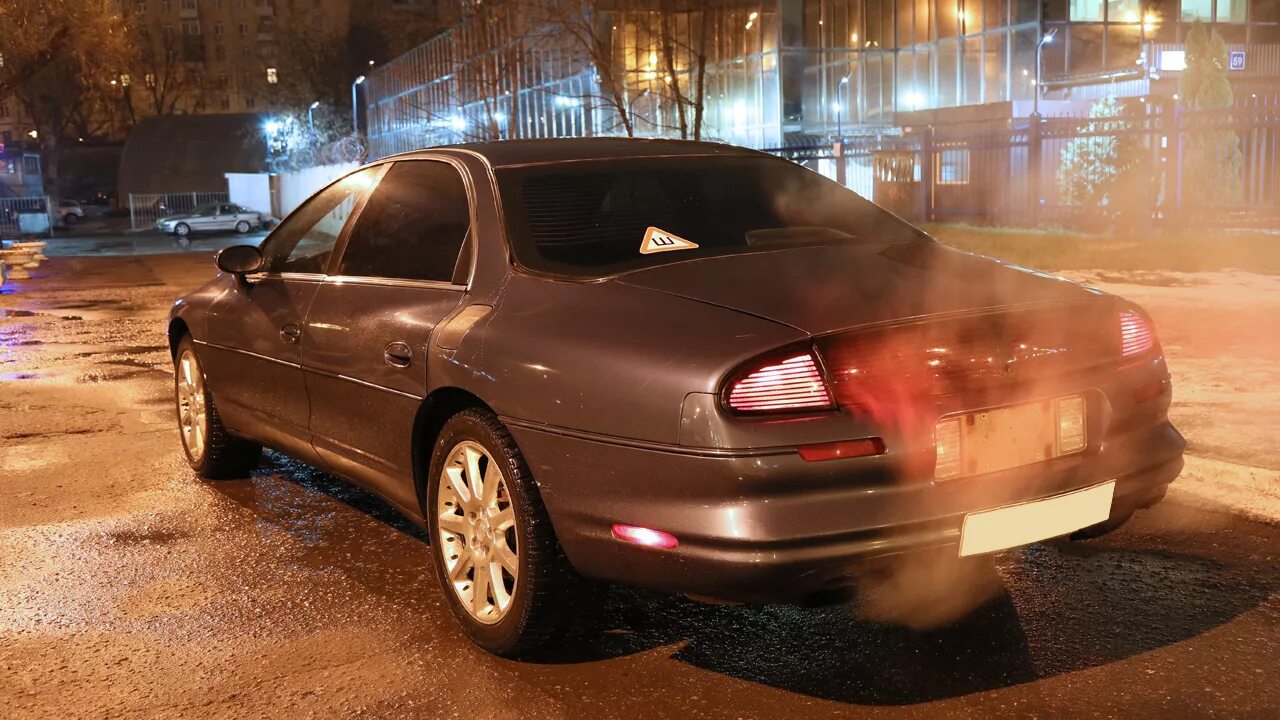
point(355, 111)
point(311, 120)
point(1044, 40)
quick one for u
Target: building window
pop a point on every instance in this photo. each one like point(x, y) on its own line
point(246, 51)
point(149, 80)
point(272, 76)
point(248, 103)
point(190, 28)
point(166, 6)
point(217, 4)
point(4, 110)
point(188, 4)
point(223, 81)
point(1197, 10)
point(953, 167)
point(1087, 10)
point(142, 6)
point(217, 29)
point(1231, 10)
point(224, 103)
point(244, 29)
point(219, 53)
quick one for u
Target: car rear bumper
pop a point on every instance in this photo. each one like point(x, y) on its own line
point(771, 527)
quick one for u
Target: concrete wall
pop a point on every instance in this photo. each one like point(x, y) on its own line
point(280, 193)
point(294, 187)
point(252, 190)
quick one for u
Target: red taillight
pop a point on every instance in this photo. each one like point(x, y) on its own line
point(1136, 336)
point(787, 384)
point(647, 537)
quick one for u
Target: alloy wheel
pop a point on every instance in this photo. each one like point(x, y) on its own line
point(192, 413)
point(477, 532)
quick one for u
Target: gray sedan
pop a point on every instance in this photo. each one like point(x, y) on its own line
point(684, 366)
point(211, 217)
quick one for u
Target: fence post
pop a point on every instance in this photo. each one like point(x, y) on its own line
point(840, 166)
point(1034, 131)
point(194, 201)
point(1177, 160)
point(924, 200)
point(133, 218)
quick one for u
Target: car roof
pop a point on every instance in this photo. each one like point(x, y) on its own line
point(507, 153)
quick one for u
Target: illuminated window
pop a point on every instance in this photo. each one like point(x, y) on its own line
point(1197, 10)
point(1231, 10)
point(149, 79)
point(272, 77)
point(1087, 10)
point(952, 167)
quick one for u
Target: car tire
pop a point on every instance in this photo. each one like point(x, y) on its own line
point(70, 219)
point(242, 227)
point(546, 598)
point(210, 450)
point(182, 229)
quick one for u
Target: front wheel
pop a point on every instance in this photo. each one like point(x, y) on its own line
point(497, 558)
point(210, 449)
point(182, 229)
point(242, 227)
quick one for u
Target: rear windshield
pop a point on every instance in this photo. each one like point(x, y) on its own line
point(592, 219)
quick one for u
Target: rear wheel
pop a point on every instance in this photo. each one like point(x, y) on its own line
point(210, 449)
point(497, 558)
point(242, 227)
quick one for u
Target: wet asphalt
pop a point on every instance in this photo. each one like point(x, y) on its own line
point(131, 589)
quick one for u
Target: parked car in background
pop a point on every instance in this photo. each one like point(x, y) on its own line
point(70, 212)
point(211, 217)
point(684, 366)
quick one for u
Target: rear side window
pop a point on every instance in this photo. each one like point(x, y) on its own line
point(413, 226)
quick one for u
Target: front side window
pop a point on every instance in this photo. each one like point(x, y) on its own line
point(304, 241)
point(590, 219)
point(413, 226)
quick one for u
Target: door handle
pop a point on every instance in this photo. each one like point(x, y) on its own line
point(398, 354)
point(291, 333)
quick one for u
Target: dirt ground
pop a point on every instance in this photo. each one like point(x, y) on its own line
point(131, 589)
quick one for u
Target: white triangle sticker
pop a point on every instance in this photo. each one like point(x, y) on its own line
point(656, 241)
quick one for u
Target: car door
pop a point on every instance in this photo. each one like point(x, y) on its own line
point(254, 328)
point(402, 270)
point(202, 218)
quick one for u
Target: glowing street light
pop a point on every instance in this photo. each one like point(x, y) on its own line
point(1044, 40)
point(311, 119)
point(355, 110)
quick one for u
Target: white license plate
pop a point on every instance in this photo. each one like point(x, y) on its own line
point(1025, 523)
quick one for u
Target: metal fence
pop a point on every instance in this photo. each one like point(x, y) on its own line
point(146, 208)
point(12, 209)
point(1009, 173)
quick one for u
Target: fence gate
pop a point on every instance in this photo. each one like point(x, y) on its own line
point(146, 208)
point(11, 212)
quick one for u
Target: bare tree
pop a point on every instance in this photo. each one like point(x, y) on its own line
point(161, 78)
point(681, 50)
point(587, 29)
point(39, 33)
point(57, 54)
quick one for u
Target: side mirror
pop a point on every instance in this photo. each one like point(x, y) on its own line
point(239, 259)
